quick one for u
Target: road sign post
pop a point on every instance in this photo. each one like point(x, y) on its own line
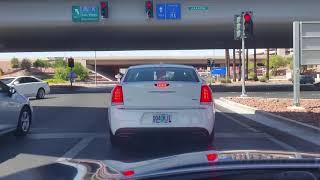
point(296, 64)
point(244, 93)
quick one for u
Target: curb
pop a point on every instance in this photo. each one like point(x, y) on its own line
point(303, 131)
point(271, 115)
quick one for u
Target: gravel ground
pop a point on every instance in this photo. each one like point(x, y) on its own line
point(309, 115)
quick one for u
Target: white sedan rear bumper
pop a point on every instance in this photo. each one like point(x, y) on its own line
point(122, 118)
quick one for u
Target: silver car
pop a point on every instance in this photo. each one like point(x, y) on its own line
point(15, 111)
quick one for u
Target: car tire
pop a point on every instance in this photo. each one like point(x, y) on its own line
point(24, 123)
point(114, 140)
point(41, 93)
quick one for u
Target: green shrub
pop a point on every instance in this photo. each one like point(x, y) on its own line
point(15, 63)
point(251, 75)
point(81, 71)
point(225, 81)
point(26, 64)
point(61, 73)
point(263, 79)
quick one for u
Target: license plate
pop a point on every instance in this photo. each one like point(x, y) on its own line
point(161, 118)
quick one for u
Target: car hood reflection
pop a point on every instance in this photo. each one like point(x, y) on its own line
point(110, 169)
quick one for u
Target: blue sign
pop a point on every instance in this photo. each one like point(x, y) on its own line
point(173, 11)
point(168, 11)
point(161, 11)
point(219, 71)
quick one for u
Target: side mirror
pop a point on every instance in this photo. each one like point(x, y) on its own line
point(15, 82)
point(12, 91)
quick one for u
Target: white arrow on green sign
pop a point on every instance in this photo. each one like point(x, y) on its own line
point(85, 14)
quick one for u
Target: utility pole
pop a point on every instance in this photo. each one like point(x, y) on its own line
point(244, 93)
point(227, 64)
point(247, 64)
point(255, 76)
point(234, 65)
point(95, 68)
point(268, 61)
point(240, 65)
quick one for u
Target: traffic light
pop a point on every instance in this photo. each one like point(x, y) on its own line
point(213, 63)
point(149, 9)
point(238, 27)
point(104, 9)
point(209, 63)
point(248, 24)
point(70, 62)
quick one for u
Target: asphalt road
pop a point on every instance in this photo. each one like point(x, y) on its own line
point(74, 125)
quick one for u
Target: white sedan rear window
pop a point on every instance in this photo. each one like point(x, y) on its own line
point(161, 74)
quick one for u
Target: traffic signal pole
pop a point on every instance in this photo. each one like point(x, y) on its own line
point(244, 93)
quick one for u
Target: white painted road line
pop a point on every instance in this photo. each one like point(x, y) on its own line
point(238, 122)
point(75, 150)
point(65, 135)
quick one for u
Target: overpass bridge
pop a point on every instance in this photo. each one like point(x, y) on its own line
point(110, 66)
point(37, 25)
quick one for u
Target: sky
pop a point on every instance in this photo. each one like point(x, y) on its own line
point(34, 55)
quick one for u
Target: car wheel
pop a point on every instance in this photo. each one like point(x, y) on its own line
point(24, 122)
point(41, 93)
point(114, 139)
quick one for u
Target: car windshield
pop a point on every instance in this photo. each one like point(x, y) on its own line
point(134, 84)
point(161, 74)
point(7, 80)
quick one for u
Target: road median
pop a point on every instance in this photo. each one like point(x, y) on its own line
point(298, 129)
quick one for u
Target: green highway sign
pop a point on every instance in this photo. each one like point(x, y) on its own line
point(85, 14)
point(198, 8)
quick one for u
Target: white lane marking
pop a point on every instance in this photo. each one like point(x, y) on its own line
point(282, 144)
point(65, 135)
point(238, 122)
point(241, 135)
point(269, 137)
point(75, 150)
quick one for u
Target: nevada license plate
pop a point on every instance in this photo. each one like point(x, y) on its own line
point(161, 118)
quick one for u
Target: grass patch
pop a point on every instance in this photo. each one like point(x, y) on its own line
point(54, 81)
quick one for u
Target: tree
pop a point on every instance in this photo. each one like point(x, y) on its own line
point(1, 72)
point(59, 62)
point(277, 62)
point(15, 63)
point(26, 64)
point(41, 64)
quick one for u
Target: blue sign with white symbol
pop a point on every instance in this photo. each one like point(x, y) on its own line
point(173, 11)
point(219, 71)
point(168, 11)
point(161, 11)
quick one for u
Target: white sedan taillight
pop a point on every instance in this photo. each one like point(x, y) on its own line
point(117, 96)
point(206, 95)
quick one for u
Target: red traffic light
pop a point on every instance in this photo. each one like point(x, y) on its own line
point(247, 17)
point(104, 4)
point(149, 4)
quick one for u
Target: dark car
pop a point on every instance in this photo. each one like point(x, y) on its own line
point(306, 79)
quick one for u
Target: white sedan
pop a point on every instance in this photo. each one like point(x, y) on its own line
point(28, 86)
point(161, 99)
point(15, 111)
